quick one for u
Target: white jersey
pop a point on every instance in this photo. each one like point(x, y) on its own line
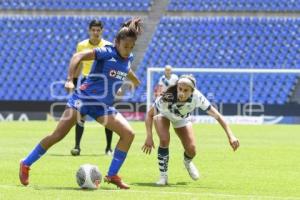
point(165, 83)
point(175, 111)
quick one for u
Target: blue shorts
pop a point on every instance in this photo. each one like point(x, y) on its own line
point(90, 107)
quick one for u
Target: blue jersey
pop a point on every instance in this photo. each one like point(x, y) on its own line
point(107, 74)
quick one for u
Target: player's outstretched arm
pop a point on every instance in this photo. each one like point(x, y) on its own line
point(234, 142)
point(149, 143)
point(73, 66)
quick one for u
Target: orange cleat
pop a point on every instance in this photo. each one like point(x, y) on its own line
point(116, 180)
point(24, 173)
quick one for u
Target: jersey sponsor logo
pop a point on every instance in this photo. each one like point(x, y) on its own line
point(117, 74)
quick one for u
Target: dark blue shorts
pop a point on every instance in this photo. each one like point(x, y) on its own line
point(90, 107)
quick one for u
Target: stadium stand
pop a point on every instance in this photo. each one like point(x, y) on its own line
point(225, 42)
point(233, 88)
point(234, 5)
point(42, 47)
point(41, 50)
point(103, 5)
point(228, 43)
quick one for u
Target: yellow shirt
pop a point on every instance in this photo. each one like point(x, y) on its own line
point(86, 45)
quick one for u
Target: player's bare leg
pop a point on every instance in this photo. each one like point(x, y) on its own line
point(162, 126)
point(188, 141)
point(66, 122)
point(118, 124)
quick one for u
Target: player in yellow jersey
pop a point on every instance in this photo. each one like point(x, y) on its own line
point(95, 40)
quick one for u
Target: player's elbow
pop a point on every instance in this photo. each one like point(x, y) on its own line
point(75, 60)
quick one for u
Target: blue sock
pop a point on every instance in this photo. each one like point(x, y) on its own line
point(117, 161)
point(36, 153)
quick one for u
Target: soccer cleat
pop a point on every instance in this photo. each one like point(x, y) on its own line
point(163, 180)
point(109, 152)
point(192, 169)
point(75, 151)
point(24, 173)
point(116, 180)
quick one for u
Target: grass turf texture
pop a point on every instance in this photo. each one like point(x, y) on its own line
point(267, 165)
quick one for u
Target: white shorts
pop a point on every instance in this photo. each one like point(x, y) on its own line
point(176, 123)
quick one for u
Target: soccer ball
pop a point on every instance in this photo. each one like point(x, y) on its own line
point(88, 176)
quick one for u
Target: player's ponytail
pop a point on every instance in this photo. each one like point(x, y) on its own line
point(170, 95)
point(131, 28)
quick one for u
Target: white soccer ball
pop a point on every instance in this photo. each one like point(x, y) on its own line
point(88, 176)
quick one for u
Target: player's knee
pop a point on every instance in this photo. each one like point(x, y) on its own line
point(129, 135)
point(164, 142)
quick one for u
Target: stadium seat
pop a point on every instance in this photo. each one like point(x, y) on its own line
point(103, 5)
point(48, 43)
point(42, 56)
point(236, 5)
point(228, 43)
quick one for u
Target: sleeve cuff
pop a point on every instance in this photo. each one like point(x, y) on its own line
point(208, 108)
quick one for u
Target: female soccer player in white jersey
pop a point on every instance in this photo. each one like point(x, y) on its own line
point(95, 98)
point(175, 106)
point(166, 80)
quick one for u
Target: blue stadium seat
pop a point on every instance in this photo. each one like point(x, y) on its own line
point(42, 56)
point(30, 66)
point(103, 5)
point(234, 5)
point(229, 43)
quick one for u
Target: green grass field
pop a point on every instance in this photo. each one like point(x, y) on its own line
point(267, 165)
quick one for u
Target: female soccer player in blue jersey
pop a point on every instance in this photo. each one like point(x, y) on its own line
point(95, 98)
point(95, 40)
point(175, 106)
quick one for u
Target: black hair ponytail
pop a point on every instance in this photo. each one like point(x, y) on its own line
point(131, 28)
